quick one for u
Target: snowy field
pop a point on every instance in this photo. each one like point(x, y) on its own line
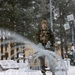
point(24, 70)
point(71, 71)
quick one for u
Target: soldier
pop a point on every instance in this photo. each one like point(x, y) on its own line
point(44, 36)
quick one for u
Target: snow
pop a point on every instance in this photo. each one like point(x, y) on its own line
point(71, 71)
point(7, 64)
point(24, 70)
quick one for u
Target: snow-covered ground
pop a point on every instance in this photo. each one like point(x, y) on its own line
point(26, 71)
point(71, 71)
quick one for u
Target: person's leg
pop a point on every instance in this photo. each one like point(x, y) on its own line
point(42, 64)
point(53, 73)
point(44, 73)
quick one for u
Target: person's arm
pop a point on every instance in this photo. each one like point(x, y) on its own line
point(52, 38)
